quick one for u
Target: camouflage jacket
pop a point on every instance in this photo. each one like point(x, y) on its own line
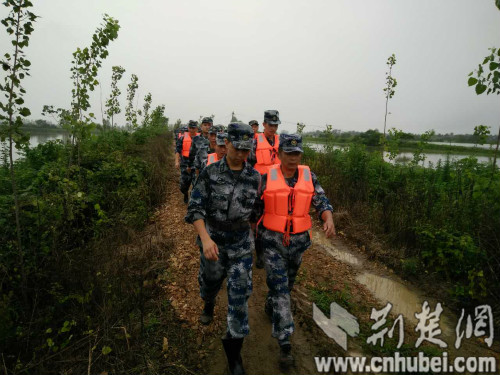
point(200, 160)
point(219, 196)
point(319, 200)
point(198, 143)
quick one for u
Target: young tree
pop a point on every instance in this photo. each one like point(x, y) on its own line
point(489, 83)
point(112, 104)
point(19, 25)
point(146, 107)
point(300, 127)
point(130, 112)
point(391, 83)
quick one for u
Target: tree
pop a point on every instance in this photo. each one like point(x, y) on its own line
point(18, 24)
point(147, 105)
point(488, 83)
point(300, 127)
point(391, 83)
point(112, 104)
point(481, 133)
point(130, 112)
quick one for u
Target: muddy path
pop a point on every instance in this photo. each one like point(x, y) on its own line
point(333, 266)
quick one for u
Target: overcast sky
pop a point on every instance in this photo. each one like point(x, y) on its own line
point(318, 61)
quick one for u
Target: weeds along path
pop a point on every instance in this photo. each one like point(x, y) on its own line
point(324, 277)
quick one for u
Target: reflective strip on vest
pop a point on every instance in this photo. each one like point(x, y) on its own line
point(277, 216)
point(212, 158)
point(266, 154)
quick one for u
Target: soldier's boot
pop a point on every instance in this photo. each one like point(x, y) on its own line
point(232, 347)
point(268, 309)
point(207, 315)
point(186, 197)
point(260, 254)
point(286, 357)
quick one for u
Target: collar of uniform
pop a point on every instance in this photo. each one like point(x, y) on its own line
point(224, 167)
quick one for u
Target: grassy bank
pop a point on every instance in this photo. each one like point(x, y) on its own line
point(81, 298)
point(440, 223)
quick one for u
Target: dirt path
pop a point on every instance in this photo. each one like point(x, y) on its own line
point(321, 271)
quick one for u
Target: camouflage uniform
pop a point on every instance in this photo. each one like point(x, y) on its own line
point(185, 163)
point(225, 201)
point(282, 263)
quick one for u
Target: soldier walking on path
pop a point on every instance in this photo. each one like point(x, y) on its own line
point(220, 150)
point(201, 142)
point(255, 126)
point(182, 160)
point(265, 154)
point(221, 203)
point(200, 159)
point(287, 192)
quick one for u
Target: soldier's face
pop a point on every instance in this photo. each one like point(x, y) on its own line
point(290, 160)
point(270, 130)
point(255, 128)
point(211, 138)
point(205, 127)
point(236, 155)
point(221, 151)
point(192, 131)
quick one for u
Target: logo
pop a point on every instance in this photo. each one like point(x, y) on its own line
point(275, 118)
point(245, 137)
point(293, 142)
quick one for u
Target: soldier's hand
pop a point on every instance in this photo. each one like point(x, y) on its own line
point(329, 228)
point(177, 165)
point(210, 250)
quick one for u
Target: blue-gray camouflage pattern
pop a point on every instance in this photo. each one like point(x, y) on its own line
point(220, 198)
point(186, 177)
point(198, 143)
point(200, 160)
point(282, 262)
point(235, 263)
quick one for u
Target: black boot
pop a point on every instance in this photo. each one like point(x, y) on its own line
point(207, 314)
point(286, 357)
point(186, 197)
point(232, 347)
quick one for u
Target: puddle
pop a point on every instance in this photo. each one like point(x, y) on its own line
point(404, 301)
point(337, 252)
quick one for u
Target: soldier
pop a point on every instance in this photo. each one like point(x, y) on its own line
point(205, 149)
point(182, 148)
point(265, 154)
point(202, 141)
point(220, 150)
point(255, 126)
point(220, 207)
point(287, 192)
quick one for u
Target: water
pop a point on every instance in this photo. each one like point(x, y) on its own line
point(35, 140)
point(434, 158)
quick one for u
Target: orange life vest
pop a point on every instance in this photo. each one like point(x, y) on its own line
point(266, 154)
point(186, 144)
point(286, 209)
point(212, 158)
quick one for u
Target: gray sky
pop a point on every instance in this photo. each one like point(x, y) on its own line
point(318, 62)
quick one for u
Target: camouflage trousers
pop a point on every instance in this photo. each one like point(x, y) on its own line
point(235, 263)
point(282, 264)
point(186, 178)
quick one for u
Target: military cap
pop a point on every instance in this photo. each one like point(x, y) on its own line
point(291, 142)
point(221, 128)
point(253, 122)
point(207, 120)
point(183, 129)
point(240, 135)
point(220, 140)
point(213, 130)
point(193, 124)
point(272, 117)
